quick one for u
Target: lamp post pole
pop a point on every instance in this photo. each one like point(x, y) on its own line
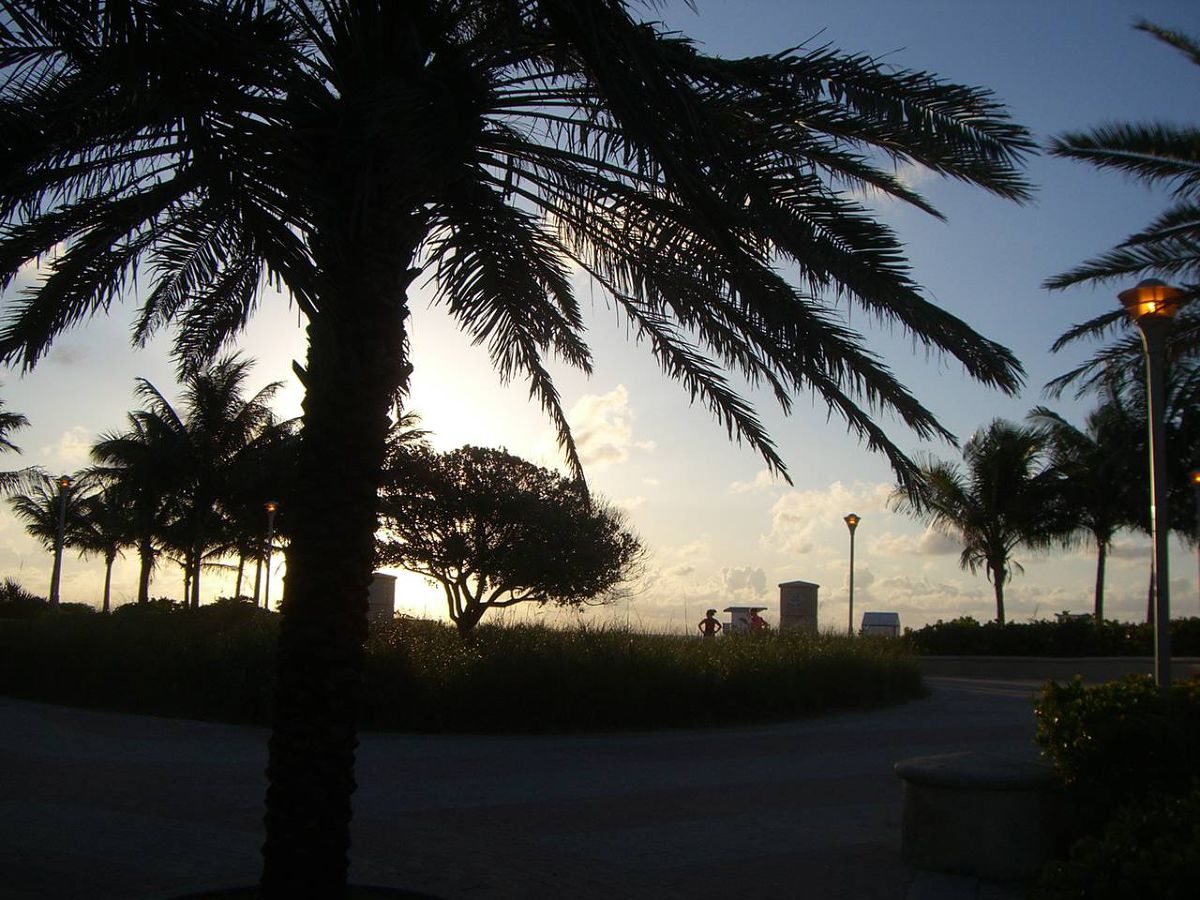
point(64, 485)
point(1194, 478)
point(852, 521)
point(270, 506)
point(1151, 305)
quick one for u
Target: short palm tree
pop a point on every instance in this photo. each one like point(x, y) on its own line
point(1156, 153)
point(1104, 481)
point(1003, 498)
point(347, 148)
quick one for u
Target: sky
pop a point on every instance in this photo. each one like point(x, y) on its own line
point(719, 530)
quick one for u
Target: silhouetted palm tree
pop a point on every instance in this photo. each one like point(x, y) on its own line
point(343, 148)
point(1104, 480)
point(146, 461)
point(1157, 153)
point(41, 504)
point(104, 528)
point(1003, 498)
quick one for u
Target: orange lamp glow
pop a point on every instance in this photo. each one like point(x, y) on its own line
point(1150, 299)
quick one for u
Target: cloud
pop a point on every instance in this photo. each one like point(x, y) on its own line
point(67, 355)
point(72, 451)
point(800, 518)
point(603, 427)
point(762, 482)
point(744, 583)
point(930, 542)
point(629, 504)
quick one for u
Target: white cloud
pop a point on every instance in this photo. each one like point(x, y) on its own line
point(631, 503)
point(603, 427)
point(930, 542)
point(72, 451)
point(762, 482)
point(744, 583)
point(801, 519)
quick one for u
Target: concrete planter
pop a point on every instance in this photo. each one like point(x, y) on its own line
point(986, 815)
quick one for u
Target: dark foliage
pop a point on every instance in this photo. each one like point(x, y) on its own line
point(495, 530)
point(1067, 637)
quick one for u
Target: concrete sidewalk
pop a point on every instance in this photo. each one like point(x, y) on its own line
point(118, 807)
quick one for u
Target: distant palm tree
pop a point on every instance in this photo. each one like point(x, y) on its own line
point(1157, 153)
point(1003, 498)
point(43, 504)
point(344, 148)
point(1103, 478)
point(104, 528)
point(145, 460)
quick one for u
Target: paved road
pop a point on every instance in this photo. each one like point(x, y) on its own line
point(100, 805)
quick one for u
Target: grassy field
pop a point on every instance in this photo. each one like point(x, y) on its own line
point(421, 676)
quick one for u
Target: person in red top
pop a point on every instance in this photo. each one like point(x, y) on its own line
point(709, 626)
point(757, 622)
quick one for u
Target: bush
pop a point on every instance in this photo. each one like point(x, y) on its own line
point(1150, 849)
point(1066, 637)
point(1119, 741)
point(218, 662)
point(18, 603)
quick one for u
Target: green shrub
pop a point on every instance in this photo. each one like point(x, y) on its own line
point(1066, 637)
point(18, 603)
point(218, 663)
point(1149, 850)
point(1121, 740)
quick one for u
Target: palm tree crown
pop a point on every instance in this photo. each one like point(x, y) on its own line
point(1155, 153)
point(344, 148)
point(1003, 498)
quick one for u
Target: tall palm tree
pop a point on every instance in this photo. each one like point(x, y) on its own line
point(43, 504)
point(345, 148)
point(1155, 153)
point(104, 529)
point(1103, 480)
point(145, 460)
point(220, 428)
point(1003, 498)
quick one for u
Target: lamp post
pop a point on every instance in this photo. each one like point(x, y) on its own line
point(1151, 305)
point(1194, 478)
point(64, 485)
point(852, 521)
point(270, 506)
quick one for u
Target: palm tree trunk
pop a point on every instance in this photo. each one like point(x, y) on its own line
point(1101, 556)
point(355, 366)
point(197, 558)
point(999, 588)
point(1150, 597)
point(146, 557)
point(237, 587)
point(109, 559)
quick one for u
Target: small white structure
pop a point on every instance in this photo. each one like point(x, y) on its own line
point(739, 617)
point(884, 623)
point(381, 598)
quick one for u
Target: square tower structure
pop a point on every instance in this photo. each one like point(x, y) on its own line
point(798, 606)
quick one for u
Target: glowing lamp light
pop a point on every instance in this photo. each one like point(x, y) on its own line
point(271, 506)
point(64, 481)
point(1151, 299)
point(852, 521)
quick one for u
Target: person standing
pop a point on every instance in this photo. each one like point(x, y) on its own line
point(709, 626)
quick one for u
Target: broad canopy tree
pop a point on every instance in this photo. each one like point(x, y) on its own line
point(494, 530)
point(347, 149)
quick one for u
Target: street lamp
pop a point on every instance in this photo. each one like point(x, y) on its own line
point(271, 506)
point(64, 486)
point(852, 521)
point(1151, 305)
